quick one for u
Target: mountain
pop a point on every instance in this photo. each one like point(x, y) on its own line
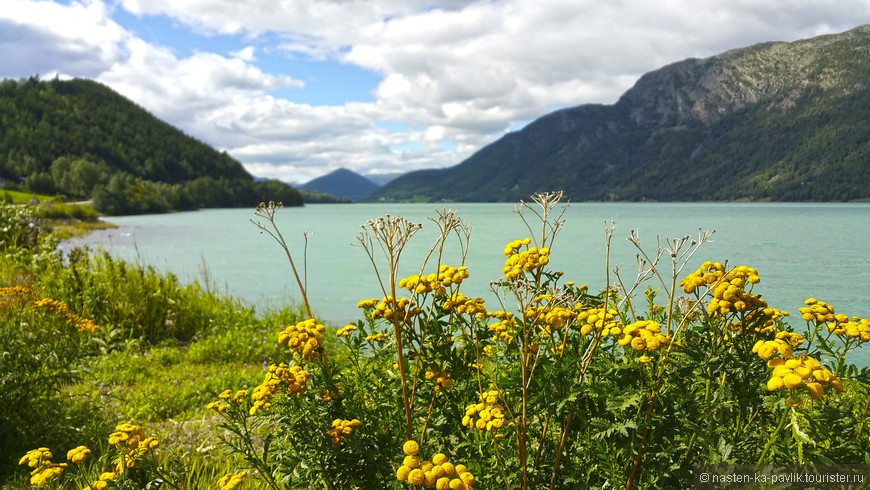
point(342, 183)
point(382, 179)
point(774, 121)
point(81, 139)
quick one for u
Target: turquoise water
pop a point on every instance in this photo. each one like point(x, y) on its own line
point(800, 250)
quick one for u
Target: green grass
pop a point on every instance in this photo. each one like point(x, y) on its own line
point(162, 352)
point(154, 383)
point(18, 197)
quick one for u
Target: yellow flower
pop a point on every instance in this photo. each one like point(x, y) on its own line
point(402, 473)
point(816, 390)
point(429, 479)
point(342, 428)
point(774, 383)
point(416, 476)
point(34, 456)
point(78, 454)
point(457, 484)
point(792, 380)
point(378, 337)
point(303, 338)
point(411, 462)
point(231, 480)
point(410, 448)
point(47, 471)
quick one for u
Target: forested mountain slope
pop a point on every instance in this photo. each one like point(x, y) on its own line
point(81, 139)
point(774, 121)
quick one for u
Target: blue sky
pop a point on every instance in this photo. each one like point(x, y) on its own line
point(296, 89)
point(327, 81)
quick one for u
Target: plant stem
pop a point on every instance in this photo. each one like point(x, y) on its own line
point(637, 458)
point(773, 436)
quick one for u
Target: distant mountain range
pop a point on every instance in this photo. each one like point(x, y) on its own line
point(774, 121)
point(342, 183)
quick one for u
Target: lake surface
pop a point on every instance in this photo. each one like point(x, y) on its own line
point(800, 250)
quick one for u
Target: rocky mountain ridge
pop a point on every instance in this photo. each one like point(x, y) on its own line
point(772, 121)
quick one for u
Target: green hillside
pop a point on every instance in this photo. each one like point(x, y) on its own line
point(775, 121)
point(81, 139)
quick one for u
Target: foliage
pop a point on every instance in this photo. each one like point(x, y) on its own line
point(555, 387)
point(77, 358)
point(81, 139)
point(63, 211)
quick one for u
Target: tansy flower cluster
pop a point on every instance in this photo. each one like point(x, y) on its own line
point(817, 310)
point(327, 396)
point(597, 318)
point(727, 288)
point(231, 480)
point(43, 469)
point(131, 445)
point(838, 324)
point(342, 428)
point(303, 338)
point(441, 380)
point(446, 277)
point(486, 415)
point(783, 342)
point(377, 337)
point(557, 317)
point(642, 335)
point(760, 320)
point(77, 455)
point(855, 328)
point(13, 293)
point(394, 310)
point(526, 261)
point(461, 304)
point(793, 373)
point(346, 331)
point(766, 348)
point(504, 330)
point(294, 379)
point(439, 473)
point(103, 482)
point(221, 404)
point(61, 310)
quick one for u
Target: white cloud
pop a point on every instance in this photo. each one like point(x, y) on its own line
point(44, 37)
point(245, 54)
point(460, 71)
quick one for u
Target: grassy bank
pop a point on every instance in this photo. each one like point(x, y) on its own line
point(157, 354)
point(17, 197)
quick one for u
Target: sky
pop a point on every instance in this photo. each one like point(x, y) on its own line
point(294, 89)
